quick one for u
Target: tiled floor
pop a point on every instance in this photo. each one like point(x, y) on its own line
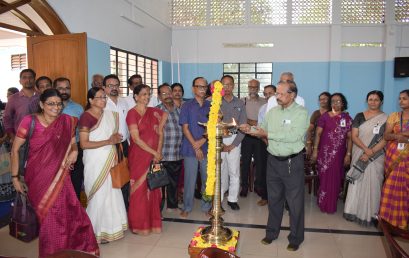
point(345, 240)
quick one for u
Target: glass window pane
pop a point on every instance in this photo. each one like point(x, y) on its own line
point(231, 68)
point(247, 68)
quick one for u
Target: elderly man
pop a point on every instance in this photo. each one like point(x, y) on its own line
point(232, 108)
point(252, 146)
point(172, 140)
point(194, 145)
point(284, 127)
point(272, 102)
point(97, 80)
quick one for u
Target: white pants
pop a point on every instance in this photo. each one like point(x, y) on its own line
point(230, 171)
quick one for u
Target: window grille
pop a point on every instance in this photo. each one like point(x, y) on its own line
point(402, 10)
point(311, 11)
point(189, 12)
point(227, 12)
point(244, 72)
point(362, 11)
point(268, 11)
point(18, 61)
point(125, 64)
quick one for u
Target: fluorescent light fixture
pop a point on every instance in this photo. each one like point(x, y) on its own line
point(362, 44)
point(248, 45)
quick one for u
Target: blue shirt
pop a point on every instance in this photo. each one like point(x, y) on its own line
point(75, 110)
point(190, 114)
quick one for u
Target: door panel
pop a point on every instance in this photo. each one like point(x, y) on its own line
point(63, 55)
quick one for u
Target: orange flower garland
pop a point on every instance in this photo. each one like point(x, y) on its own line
point(211, 136)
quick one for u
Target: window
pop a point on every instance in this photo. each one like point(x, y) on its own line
point(362, 11)
point(227, 12)
point(268, 11)
point(189, 12)
point(402, 10)
point(18, 62)
point(312, 12)
point(244, 72)
point(125, 64)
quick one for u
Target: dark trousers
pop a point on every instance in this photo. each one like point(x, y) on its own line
point(125, 188)
point(77, 174)
point(256, 148)
point(285, 181)
point(174, 169)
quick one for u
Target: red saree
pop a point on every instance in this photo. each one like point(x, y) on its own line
point(144, 205)
point(63, 222)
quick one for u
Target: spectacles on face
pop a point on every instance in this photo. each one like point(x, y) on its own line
point(277, 94)
point(113, 86)
point(253, 87)
point(228, 85)
point(200, 87)
point(101, 98)
point(53, 104)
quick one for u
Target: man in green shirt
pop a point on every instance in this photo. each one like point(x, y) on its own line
point(284, 127)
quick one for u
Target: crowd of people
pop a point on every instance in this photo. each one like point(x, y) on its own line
point(72, 150)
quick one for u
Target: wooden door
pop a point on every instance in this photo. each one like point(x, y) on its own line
point(63, 55)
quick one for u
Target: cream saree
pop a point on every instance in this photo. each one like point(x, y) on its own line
point(106, 207)
point(363, 198)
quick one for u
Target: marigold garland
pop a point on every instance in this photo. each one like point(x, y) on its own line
point(211, 136)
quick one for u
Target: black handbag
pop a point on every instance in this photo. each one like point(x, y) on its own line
point(23, 224)
point(157, 176)
point(23, 151)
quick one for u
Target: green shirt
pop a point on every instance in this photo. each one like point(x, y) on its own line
point(286, 128)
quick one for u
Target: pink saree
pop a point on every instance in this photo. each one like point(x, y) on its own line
point(64, 224)
point(144, 205)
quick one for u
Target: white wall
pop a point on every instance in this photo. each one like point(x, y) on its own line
point(135, 25)
point(10, 78)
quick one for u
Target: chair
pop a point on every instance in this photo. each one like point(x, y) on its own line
point(213, 252)
point(311, 177)
point(389, 231)
point(71, 254)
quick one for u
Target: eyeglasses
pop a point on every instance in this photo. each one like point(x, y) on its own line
point(111, 86)
point(165, 94)
point(53, 104)
point(228, 85)
point(253, 87)
point(200, 87)
point(282, 94)
point(102, 98)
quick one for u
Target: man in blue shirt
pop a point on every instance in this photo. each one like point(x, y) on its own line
point(63, 86)
point(194, 145)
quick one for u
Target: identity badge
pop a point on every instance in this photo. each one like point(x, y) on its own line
point(376, 130)
point(287, 121)
point(343, 123)
point(401, 146)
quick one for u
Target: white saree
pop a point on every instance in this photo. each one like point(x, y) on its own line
point(106, 208)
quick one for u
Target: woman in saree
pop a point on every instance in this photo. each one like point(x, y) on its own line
point(366, 174)
point(332, 151)
point(98, 136)
point(325, 106)
point(395, 192)
point(146, 129)
point(64, 224)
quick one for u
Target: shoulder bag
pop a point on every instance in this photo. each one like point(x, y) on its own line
point(23, 151)
point(120, 172)
point(23, 224)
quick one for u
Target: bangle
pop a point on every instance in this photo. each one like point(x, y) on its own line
point(309, 141)
point(348, 153)
point(15, 176)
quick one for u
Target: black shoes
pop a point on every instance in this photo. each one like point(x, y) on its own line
point(267, 241)
point(292, 247)
point(243, 192)
point(234, 206)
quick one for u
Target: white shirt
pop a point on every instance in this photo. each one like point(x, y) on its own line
point(272, 102)
point(122, 109)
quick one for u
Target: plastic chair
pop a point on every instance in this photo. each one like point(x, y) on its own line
point(390, 231)
point(213, 252)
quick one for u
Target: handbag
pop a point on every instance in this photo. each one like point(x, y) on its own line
point(120, 172)
point(23, 224)
point(23, 151)
point(157, 176)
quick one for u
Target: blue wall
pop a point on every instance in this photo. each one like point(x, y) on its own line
point(353, 79)
point(98, 58)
